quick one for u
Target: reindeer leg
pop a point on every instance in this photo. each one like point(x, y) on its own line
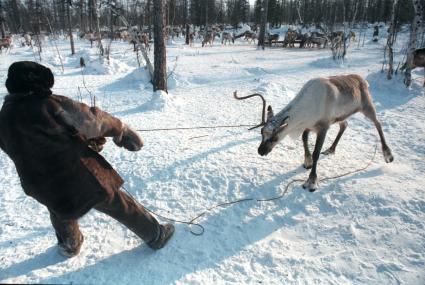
point(311, 182)
point(308, 161)
point(370, 113)
point(342, 127)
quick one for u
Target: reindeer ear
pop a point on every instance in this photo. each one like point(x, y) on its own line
point(269, 112)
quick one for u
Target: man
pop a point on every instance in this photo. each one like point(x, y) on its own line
point(54, 143)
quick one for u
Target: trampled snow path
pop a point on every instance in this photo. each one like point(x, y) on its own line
point(366, 228)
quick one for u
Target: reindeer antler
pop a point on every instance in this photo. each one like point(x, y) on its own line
point(263, 117)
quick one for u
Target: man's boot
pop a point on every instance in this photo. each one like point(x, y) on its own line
point(165, 233)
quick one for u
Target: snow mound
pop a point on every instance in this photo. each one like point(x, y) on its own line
point(174, 81)
point(162, 101)
point(104, 66)
point(273, 88)
point(98, 65)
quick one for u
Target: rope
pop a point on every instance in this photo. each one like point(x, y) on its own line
point(192, 222)
point(194, 128)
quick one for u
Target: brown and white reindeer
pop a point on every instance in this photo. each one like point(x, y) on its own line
point(208, 38)
point(250, 36)
point(5, 43)
point(191, 39)
point(227, 37)
point(320, 103)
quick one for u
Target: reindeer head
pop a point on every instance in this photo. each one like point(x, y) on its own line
point(273, 127)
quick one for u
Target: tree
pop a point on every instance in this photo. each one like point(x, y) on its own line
point(186, 22)
point(412, 41)
point(2, 30)
point(160, 60)
point(390, 41)
point(97, 26)
point(262, 37)
point(68, 13)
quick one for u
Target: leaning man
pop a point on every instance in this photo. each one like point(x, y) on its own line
point(54, 143)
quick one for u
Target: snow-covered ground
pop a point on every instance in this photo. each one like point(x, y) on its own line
point(364, 228)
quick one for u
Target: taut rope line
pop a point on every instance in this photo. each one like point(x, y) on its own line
point(194, 128)
point(191, 222)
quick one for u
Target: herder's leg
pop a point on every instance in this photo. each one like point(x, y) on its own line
point(68, 234)
point(135, 217)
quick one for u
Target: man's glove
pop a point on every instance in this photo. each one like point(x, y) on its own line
point(128, 139)
point(97, 143)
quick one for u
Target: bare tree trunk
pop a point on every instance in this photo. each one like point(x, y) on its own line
point(2, 29)
point(111, 20)
point(149, 22)
point(71, 38)
point(390, 42)
point(412, 42)
point(98, 35)
point(90, 12)
point(82, 24)
point(262, 36)
point(186, 21)
point(62, 16)
point(16, 17)
point(160, 60)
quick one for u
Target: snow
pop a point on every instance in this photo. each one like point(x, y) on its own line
point(364, 228)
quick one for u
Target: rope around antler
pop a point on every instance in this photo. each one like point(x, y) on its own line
point(191, 222)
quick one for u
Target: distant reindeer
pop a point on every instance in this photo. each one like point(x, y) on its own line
point(290, 38)
point(318, 39)
point(272, 38)
point(227, 37)
point(336, 46)
point(418, 60)
point(250, 36)
point(27, 40)
point(351, 36)
point(320, 103)
point(208, 38)
point(144, 39)
point(191, 38)
point(89, 36)
point(6, 43)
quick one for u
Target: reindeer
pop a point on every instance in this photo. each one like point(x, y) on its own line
point(209, 38)
point(89, 36)
point(320, 103)
point(191, 38)
point(227, 37)
point(27, 40)
point(6, 43)
point(418, 60)
point(320, 41)
point(336, 46)
point(290, 38)
point(272, 38)
point(351, 36)
point(250, 36)
point(144, 39)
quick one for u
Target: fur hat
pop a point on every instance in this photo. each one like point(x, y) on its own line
point(27, 76)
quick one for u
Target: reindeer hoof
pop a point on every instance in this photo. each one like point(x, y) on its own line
point(388, 156)
point(329, 151)
point(307, 166)
point(310, 184)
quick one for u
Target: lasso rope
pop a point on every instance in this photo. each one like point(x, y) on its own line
point(194, 128)
point(192, 222)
